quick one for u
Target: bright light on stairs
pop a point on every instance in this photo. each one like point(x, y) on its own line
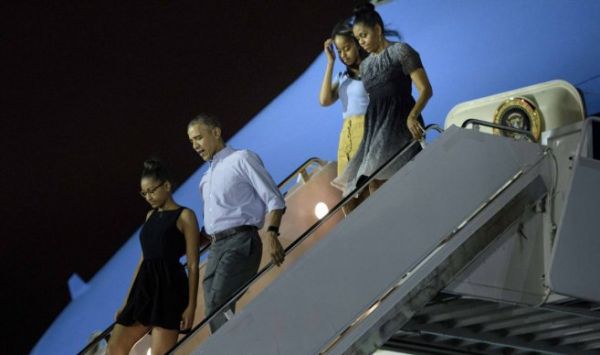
point(321, 210)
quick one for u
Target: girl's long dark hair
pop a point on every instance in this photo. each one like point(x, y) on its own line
point(344, 29)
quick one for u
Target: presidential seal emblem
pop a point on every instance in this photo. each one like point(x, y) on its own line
point(520, 113)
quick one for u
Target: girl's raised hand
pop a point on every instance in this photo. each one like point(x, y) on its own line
point(329, 51)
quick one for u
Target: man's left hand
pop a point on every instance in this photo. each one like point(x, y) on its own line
point(277, 252)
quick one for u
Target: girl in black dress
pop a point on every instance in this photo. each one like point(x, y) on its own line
point(162, 297)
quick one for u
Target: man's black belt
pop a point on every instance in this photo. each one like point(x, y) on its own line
point(231, 232)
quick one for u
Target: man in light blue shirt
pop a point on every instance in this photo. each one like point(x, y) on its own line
point(239, 195)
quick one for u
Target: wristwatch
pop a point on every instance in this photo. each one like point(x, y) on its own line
point(273, 229)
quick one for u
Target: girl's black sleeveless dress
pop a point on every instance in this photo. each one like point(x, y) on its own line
point(159, 294)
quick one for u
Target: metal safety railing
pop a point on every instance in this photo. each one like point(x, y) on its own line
point(475, 122)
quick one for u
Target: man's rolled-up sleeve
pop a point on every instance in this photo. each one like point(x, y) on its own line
point(262, 182)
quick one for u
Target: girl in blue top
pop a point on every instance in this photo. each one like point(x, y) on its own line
point(349, 89)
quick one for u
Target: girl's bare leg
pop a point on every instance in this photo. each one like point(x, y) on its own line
point(123, 338)
point(163, 340)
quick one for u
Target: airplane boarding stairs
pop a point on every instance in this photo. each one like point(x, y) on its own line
point(482, 243)
point(375, 269)
point(458, 246)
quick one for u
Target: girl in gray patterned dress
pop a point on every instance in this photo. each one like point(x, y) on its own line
point(393, 116)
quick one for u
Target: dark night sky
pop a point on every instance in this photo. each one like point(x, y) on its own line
point(90, 89)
